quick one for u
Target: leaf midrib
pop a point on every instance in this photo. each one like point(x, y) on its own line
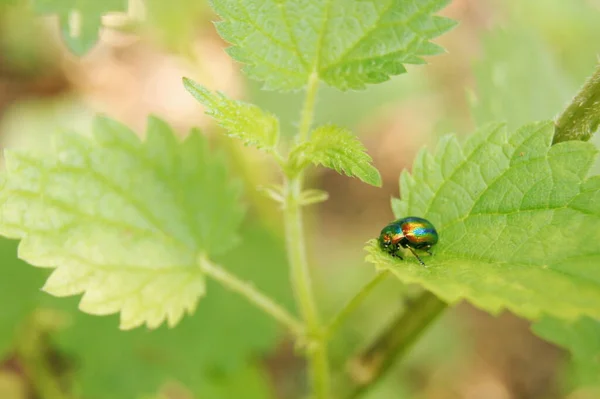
point(376, 26)
point(289, 30)
point(178, 195)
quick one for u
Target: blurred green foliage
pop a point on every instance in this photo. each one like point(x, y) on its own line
point(212, 352)
point(80, 21)
point(582, 339)
point(176, 23)
point(342, 108)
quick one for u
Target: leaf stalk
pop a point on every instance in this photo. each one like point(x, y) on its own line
point(308, 110)
point(369, 366)
point(354, 303)
point(254, 296)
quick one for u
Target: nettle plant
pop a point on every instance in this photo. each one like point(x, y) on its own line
point(137, 226)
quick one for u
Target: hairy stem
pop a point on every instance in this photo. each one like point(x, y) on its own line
point(297, 253)
point(581, 118)
point(316, 347)
point(354, 302)
point(315, 343)
point(369, 366)
point(253, 295)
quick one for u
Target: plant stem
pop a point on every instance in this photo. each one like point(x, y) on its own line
point(315, 342)
point(316, 350)
point(354, 302)
point(581, 118)
point(253, 295)
point(297, 252)
point(370, 366)
point(308, 110)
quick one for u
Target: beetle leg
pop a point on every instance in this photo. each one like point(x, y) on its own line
point(396, 252)
point(425, 248)
point(416, 256)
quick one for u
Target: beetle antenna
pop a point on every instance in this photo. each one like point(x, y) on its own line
point(416, 256)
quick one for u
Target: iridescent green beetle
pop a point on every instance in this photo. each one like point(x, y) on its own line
point(411, 233)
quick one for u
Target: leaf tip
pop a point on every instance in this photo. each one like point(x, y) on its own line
point(187, 81)
point(376, 181)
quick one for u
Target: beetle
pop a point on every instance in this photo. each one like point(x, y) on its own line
point(411, 233)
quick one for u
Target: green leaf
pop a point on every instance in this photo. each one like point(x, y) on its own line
point(347, 44)
point(80, 21)
point(336, 148)
point(242, 120)
point(205, 351)
point(273, 191)
point(582, 339)
point(549, 19)
point(120, 220)
point(313, 196)
point(518, 223)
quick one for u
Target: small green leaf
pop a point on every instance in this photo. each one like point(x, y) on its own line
point(273, 191)
point(582, 339)
point(313, 196)
point(348, 44)
point(518, 223)
point(336, 148)
point(242, 120)
point(80, 21)
point(120, 220)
